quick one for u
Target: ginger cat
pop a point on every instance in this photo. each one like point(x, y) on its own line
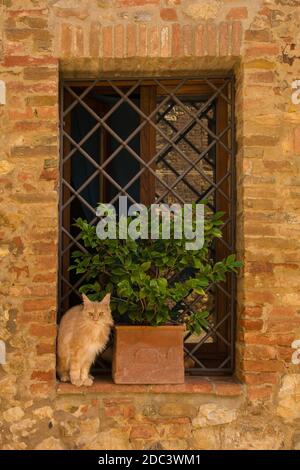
point(83, 333)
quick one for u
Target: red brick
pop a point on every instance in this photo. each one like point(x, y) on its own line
point(285, 354)
point(260, 297)
point(80, 13)
point(79, 42)
point(39, 73)
point(143, 431)
point(107, 41)
point(46, 112)
point(29, 126)
point(228, 389)
point(29, 188)
point(131, 40)
point(177, 430)
point(259, 393)
point(23, 61)
point(283, 311)
point(263, 366)
point(275, 165)
point(236, 38)
point(37, 151)
point(129, 3)
point(211, 39)
point(261, 378)
point(153, 41)
point(119, 40)
point(41, 290)
point(287, 326)
point(43, 330)
point(262, 51)
point(283, 267)
point(43, 376)
point(297, 140)
point(38, 304)
point(237, 13)
point(258, 267)
point(42, 389)
point(44, 235)
point(16, 246)
point(199, 41)
point(15, 48)
point(163, 421)
point(42, 316)
point(20, 87)
point(284, 339)
point(44, 247)
point(18, 34)
point(66, 39)
point(45, 348)
point(16, 115)
point(259, 35)
point(176, 40)
point(261, 140)
point(50, 174)
point(260, 352)
point(117, 408)
point(41, 100)
point(253, 312)
point(223, 39)
point(42, 261)
point(142, 42)
point(262, 77)
point(94, 39)
point(188, 40)
point(19, 271)
point(168, 14)
point(253, 325)
point(45, 277)
point(29, 12)
point(165, 48)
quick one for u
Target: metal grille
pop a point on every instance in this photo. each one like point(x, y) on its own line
point(152, 140)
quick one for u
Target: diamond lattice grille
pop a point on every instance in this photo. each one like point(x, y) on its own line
point(152, 140)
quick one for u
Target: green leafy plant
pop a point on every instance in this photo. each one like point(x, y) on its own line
point(149, 279)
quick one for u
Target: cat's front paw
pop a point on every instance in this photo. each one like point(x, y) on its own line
point(65, 378)
point(89, 381)
point(77, 383)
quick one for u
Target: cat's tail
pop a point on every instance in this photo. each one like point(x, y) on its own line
point(63, 369)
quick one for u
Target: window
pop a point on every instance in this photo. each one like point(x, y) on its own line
point(153, 140)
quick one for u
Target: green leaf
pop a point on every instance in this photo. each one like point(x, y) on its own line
point(150, 279)
point(146, 266)
point(122, 308)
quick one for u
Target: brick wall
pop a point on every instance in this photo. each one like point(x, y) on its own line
point(260, 41)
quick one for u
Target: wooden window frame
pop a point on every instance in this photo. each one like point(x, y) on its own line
point(150, 91)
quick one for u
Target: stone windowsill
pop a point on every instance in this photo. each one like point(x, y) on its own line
point(225, 386)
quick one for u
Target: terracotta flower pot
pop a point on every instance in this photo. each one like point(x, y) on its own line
point(148, 354)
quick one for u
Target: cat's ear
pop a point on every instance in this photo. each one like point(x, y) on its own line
point(85, 299)
point(106, 299)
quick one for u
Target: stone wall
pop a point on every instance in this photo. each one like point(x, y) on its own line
point(260, 41)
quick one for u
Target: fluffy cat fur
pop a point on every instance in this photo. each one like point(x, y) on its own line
point(83, 333)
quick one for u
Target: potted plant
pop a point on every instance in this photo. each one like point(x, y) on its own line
point(148, 280)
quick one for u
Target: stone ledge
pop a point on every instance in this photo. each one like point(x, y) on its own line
point(225, 386)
